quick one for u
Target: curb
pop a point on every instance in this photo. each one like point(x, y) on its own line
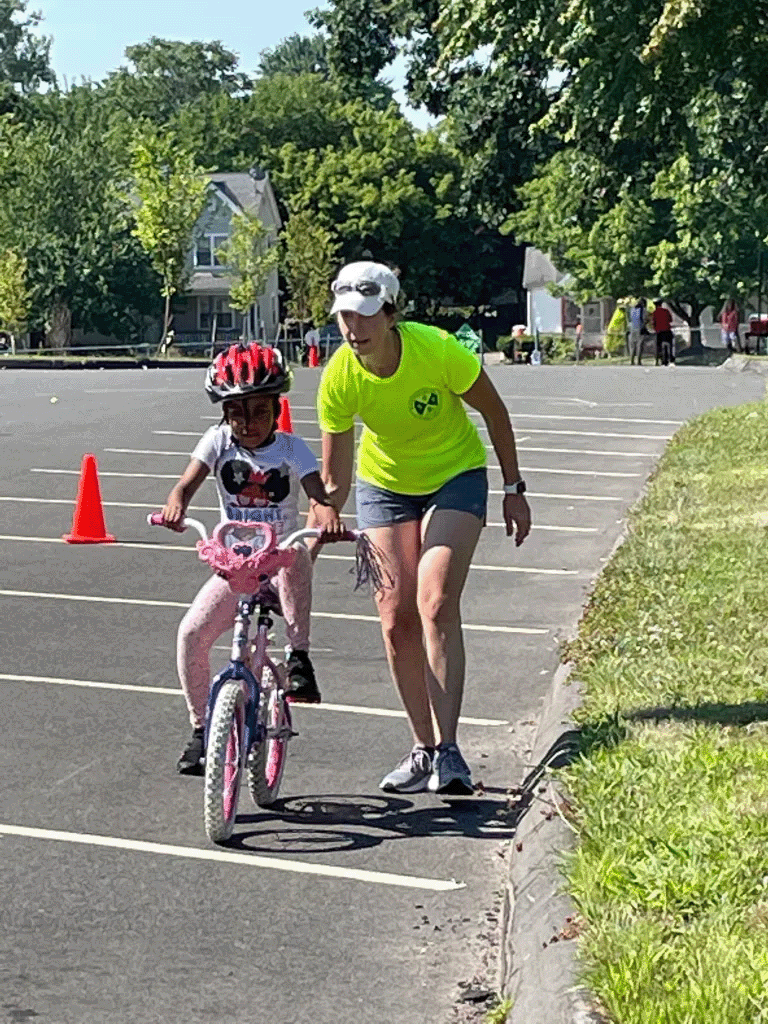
point(73, 363)
point(539, 969)
point(540, 972)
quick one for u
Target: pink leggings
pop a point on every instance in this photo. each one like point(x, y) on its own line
point(213, 612)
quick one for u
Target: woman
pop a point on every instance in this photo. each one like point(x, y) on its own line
point(422, 491)
point(729, 326)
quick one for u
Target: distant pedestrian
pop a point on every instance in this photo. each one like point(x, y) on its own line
point(638, 316)
point(662, 325)
point(729, 326)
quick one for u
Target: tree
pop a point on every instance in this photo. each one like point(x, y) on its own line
point(166, 75)
point(60, 208)
point(310, 258)
point(15, 295)
point(169, 192)
point(296, 55)
point(24, 56)
point(249, 256)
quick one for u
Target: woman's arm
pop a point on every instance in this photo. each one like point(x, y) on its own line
point(181, 494)
point(324, 514)
point(484, 397)
point(338, 456)
point(338, 453)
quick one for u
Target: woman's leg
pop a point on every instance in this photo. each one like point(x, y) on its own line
point(210, 614)
point(450, 538)
point(401, 626)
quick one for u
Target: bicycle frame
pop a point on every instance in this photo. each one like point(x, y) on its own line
point(246, 667)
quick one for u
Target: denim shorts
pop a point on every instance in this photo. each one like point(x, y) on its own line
point(376, 506)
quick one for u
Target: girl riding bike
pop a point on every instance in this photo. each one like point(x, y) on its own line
point(258, 472)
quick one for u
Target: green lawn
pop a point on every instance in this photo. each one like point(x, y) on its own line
point(671, 794)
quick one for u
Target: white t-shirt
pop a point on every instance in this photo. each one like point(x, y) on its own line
point(257, 486)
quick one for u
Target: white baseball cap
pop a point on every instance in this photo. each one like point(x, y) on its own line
point(364, 288)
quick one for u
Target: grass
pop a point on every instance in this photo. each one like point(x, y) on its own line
point(499, 1013)
point(670, 796)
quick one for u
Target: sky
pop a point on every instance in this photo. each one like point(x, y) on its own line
point(90, 36)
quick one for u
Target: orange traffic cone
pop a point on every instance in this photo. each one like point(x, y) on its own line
point(88, 523)
point(313, 360)
point(284, 419)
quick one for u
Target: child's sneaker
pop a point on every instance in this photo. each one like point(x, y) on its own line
point(301, 685)
point(450, 772)
point(192, 761)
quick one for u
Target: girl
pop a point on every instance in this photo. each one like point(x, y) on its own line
point(258, 472)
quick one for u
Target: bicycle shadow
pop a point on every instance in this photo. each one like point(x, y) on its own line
point(327, 823)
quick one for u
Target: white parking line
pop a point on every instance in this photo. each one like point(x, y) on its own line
point(22, 539)
point(175, 476)
point(480, 426)
point(230, 857)
point(167, 691)
point(520, 448)
point(147, 603)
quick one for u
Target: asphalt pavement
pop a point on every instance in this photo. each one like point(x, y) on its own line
point(344, 904)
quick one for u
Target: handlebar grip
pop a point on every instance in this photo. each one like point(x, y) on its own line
point(156, 519)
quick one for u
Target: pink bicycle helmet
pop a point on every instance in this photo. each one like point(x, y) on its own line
point(244, 370)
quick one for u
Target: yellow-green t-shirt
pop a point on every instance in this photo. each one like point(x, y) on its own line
point(417, 433)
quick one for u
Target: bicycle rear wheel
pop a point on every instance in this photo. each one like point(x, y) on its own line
point(266, 762)
point(224, 762)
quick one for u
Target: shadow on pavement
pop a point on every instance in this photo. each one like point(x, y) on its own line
point(322, 824)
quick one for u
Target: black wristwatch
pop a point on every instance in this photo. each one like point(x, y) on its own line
point(516, 488)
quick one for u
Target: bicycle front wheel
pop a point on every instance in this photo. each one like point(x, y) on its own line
point(224, 762)
point(266, 763)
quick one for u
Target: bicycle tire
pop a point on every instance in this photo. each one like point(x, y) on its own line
point(224, 762)
point(266, 762)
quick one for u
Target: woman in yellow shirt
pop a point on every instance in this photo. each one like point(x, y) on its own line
point(421, 492)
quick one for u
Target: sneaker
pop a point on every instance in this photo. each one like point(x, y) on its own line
point(192, 761)
point(450, 773)
point(301, 686)
point(412, 774)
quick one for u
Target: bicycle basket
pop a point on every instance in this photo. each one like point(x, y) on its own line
point(245, 554)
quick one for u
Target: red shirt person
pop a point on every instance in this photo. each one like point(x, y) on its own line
point(661, 318)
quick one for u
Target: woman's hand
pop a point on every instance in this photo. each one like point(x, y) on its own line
point(517, 517)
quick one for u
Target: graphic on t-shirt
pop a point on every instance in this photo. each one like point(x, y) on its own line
point(254, 488)
point(425, 404)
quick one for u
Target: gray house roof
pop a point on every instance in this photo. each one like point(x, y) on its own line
point(245, 191)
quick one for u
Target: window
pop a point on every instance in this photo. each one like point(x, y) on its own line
point(210, 305)
point(205, 250)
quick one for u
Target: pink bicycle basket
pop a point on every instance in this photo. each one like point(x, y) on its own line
point(245, 554)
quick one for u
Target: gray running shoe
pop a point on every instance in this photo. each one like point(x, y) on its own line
point(450, 772)
point(411, 775)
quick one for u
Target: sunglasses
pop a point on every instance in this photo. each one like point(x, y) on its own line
point(369, 289)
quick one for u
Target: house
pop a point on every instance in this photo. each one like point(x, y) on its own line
point(204, 308)
point(558, 314)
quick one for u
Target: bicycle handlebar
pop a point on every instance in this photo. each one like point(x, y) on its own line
point(156, 519)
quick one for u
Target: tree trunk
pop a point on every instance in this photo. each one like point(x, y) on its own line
point(59, 334)
point(692, 318)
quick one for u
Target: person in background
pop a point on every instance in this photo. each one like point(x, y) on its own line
point(661, 319)
point(729, 326)
point(638, 316)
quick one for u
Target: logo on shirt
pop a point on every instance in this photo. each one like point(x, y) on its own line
point(425, 404)
point(251, 487)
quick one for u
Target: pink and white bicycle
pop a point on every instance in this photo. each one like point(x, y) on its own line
point(248, 718)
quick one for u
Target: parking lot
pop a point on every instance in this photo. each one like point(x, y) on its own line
point(344, 904)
